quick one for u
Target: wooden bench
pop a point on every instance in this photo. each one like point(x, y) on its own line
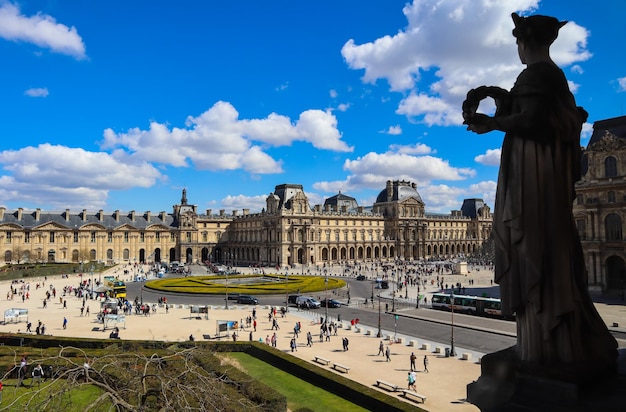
point(391, 386)
point(413, 395)
point(321, 360)
point(340, 368)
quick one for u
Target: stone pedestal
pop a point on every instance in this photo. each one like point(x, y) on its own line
point(503, 388)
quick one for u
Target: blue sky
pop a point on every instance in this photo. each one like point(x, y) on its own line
point(120, 105)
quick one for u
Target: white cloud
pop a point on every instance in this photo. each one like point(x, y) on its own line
point(41, 30)
point(343, 107)
point(238, 202)
point(464, 44)
point(622, 84)
point(37, 92)
point(586, 132)
point(490, 158)
point(393, 130)
point(333, 93)
point(391, 165)
point(577, 69)
point(416, 149)
point(66, 177)
point(219, 140)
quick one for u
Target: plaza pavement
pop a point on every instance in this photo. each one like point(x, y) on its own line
point(444, 385)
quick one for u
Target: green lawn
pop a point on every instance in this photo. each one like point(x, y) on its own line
point(300, 394)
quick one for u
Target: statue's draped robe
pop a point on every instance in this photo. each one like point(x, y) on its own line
point(539, 259)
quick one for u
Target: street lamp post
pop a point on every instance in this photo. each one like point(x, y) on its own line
point(326, 296)
point(380, 333)
point(287, 292)
point(393, 296)
point(417, 302)
point(452, 352)
point(92, 281)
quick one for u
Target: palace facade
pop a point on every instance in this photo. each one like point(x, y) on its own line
point(287, 232)
point(600, 206)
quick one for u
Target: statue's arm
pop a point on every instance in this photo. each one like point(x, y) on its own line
point(529, 116)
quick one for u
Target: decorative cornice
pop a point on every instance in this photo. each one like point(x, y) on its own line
point(608, 143)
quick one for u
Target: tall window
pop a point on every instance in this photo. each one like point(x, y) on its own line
point(157, 236)
point(611, 196)
point(610, 167)
point(110, 237)
point(51, 237)
point(93, 237)
point(75, 237)
point(9, 236)
point(613, 226)
point(126, 237)
point(142, 237)
point(26, 237)
point(581, 224)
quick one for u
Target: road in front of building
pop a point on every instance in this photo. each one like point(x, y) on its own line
point(477, 334)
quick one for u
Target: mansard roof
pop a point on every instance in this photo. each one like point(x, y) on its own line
point(615, 126)
point(340, 200)
point(29, 219)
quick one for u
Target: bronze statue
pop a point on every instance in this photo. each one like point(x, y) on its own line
point(539, 258)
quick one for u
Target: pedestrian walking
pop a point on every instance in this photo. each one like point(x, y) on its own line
point(425, 363)
point(413, 358)
point(64, 323)
point(411, 379)
point(37, 375)
point(381, 349)
point(388, 354)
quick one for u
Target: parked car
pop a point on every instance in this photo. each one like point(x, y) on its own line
point(361, 277)
point(248, 300)
point(332, 303)
point(307, 302)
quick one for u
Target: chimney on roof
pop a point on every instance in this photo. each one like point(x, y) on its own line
point(246, 212)
point(235, 212)
point(132, 215)
point(222, 212)
point(148, 216)
point(2, 210)
point(37, 214)
point(67, 215)
point(19, 213)
point(84, 215)
point(162, 215)
point(117, 215)
point(209, 212)
point(101, 215)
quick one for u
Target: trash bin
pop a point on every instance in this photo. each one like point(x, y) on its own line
point(447, 352)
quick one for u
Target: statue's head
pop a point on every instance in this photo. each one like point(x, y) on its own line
point(536, 30)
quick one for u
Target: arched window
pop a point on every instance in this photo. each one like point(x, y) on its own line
point(613, 226)
point(610, 167)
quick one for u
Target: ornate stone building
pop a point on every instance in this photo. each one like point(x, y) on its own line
point(600, 206)
point(287, 232)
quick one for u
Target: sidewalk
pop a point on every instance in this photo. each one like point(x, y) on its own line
point(444, 386)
